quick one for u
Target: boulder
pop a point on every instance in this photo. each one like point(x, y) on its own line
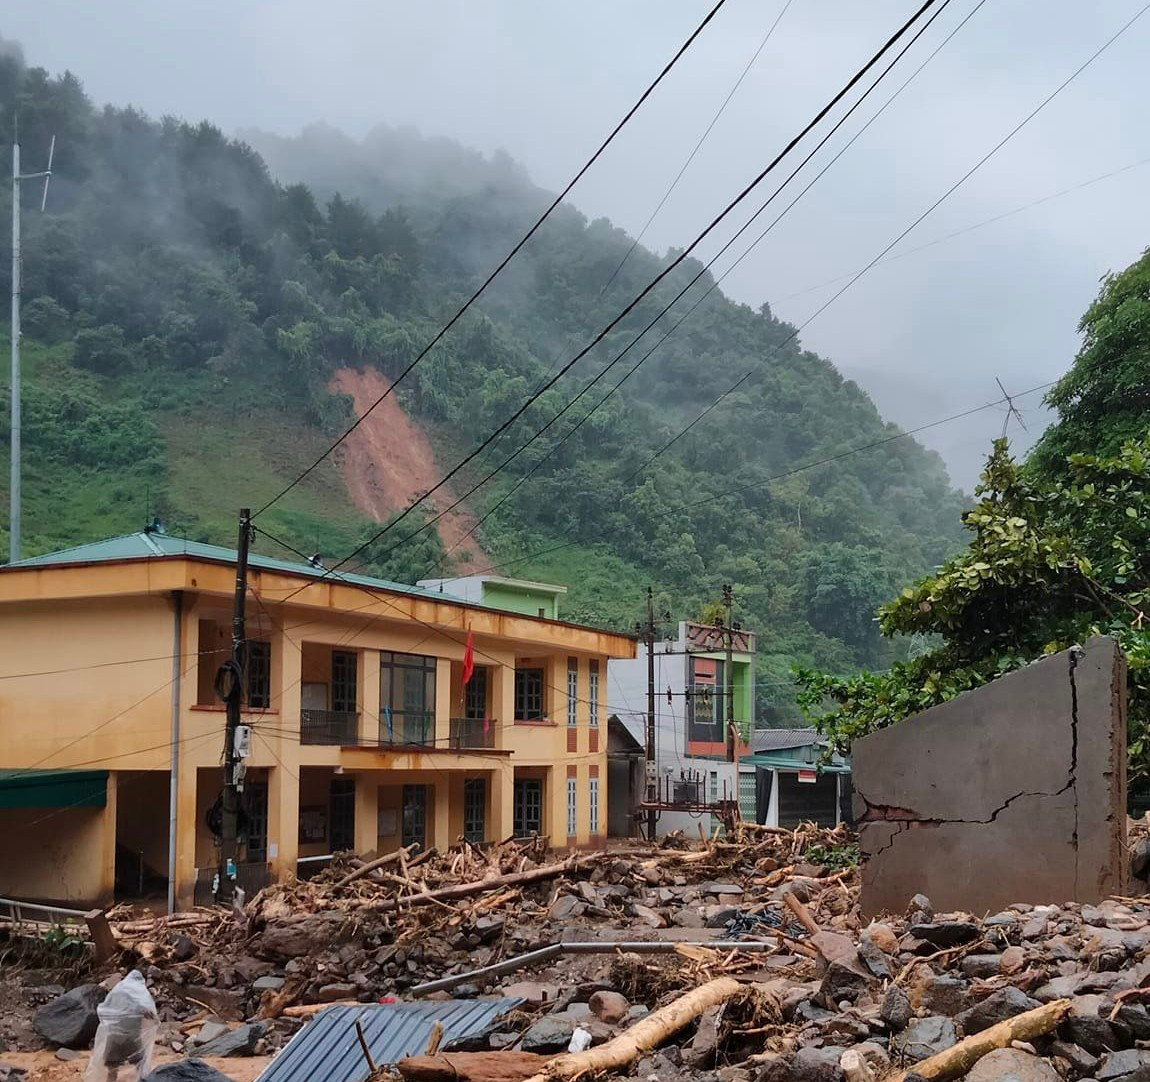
point(1082, 1063)
point(240, 1041)
point(997, 1007)
point(939, 995)
point(896, 1010)
point(566, 907)
point(609, 1007)
point(1086, 1025)
point(873, 958)
point(944, 934)
point(1011, 1065)
point(981, 966)
point(533, 992)
point(187, 1070)
point(222, 1002)
point(806, 1065)
point(1130, 1063)
point(70, 1020)
point(333, 993)
point(209, 1031)
point(549, 1034)
point(925, 1037)
point(882, 936)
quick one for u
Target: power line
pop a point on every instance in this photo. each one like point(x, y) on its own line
point(506, 259)
point(934, 206)
point(730, 207)
point(827, 460)
point(976, 225)
point(698, 146)
point(714, 285)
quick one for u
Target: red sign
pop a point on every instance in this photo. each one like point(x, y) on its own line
point(808, 776)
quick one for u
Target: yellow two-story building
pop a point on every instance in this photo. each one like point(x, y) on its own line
point(361, 732)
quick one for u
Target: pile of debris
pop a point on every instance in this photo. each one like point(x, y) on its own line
point(736, 960)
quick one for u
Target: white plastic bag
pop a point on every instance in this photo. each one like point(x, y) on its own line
point(127, 1031)
point(580, 1040)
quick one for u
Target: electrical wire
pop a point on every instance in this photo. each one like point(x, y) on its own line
point(934, 206)
point(672, 265)
point(697, 147)
point(977, 225)
point(713, 286)
point(826, 460)
point(506, 259)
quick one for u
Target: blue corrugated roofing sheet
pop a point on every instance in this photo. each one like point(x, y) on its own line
point(327, 1048)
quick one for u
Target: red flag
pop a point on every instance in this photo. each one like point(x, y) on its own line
point(468, 660)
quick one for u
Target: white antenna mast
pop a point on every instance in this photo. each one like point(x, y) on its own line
point(14, 478)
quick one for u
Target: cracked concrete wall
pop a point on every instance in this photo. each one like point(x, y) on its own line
point(1014, 792)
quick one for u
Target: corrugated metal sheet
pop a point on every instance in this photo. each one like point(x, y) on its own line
point(327, 1049)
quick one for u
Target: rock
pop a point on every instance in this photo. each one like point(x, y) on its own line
point(261, 984)
point(717, 916)
point(944, 934)
point(1135, 1018)
point(873, 958)
point(1086, 1026)
point(647, 915)
point(705, 1043)
point(896, 1010)
point(222, 1002)
point(1081, 1061)
point(1129, 1063)
point(1140, 859)
point(65, 1055)
point(1012, 960)
point(609, 1007)
point(498, 1041)
point(187, 1070)
point(882, 936)
point(240, 1041)
point(489, 928)
point(70, 1020)
point(846, 1026)
point(924, 1037)
point(812, 1012)
point(688, 918)
point(549, 1034)
point(565, 907)
point(807, 1065)
point(1011, 1065)
point(724, 888)
point(333, 993)
point(637, 1011)
point(939, 995)
point(876, 1057)
point(997, 1007)
point(919, 911)
point(981, 966)
point(209, 1031)
point(532, 991)
point(183, 948)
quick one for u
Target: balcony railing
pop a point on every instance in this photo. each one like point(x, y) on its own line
point(472, 733)
point(340, 727)
point(416, 729)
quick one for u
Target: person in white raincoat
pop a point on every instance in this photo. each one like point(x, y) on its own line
point(127, 1031)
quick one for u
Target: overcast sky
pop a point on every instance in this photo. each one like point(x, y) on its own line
point(927, 334)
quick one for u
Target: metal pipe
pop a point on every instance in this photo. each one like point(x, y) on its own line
point(543, 954)
point(174, 782)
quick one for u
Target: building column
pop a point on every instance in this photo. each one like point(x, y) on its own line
point(441, 814)
point(366, 814)
point(501, 807)
point(283, 822)
point(555, 804)
point(108, 842)
point(186, 827)
point(369, 703)
point(503, 701)
point(442, 704)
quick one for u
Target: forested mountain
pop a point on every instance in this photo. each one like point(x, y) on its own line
point(188, 302)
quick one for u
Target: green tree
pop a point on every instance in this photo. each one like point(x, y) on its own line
point(1052, 560)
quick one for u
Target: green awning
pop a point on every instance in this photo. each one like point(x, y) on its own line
point(793, 766)
point(53, 788)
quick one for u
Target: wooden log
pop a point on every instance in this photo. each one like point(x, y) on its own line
point(644, 1035)
point(801, 912)
point(307, 1010)
point(371, 865)
point(959, 1058)
point(465, 890)
point(472, 1067)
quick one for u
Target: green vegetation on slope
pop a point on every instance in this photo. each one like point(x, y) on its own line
point(198, 309)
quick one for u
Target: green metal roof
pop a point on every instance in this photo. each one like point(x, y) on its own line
point(53, 788)
point(159, 546)
point(780, 762)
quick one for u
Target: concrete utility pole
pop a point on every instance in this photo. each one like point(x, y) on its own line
point(231, 687)
point(652, 769)
point(14, 461)
point(729, 629)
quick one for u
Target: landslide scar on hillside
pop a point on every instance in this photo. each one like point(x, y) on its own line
point(388, 462)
